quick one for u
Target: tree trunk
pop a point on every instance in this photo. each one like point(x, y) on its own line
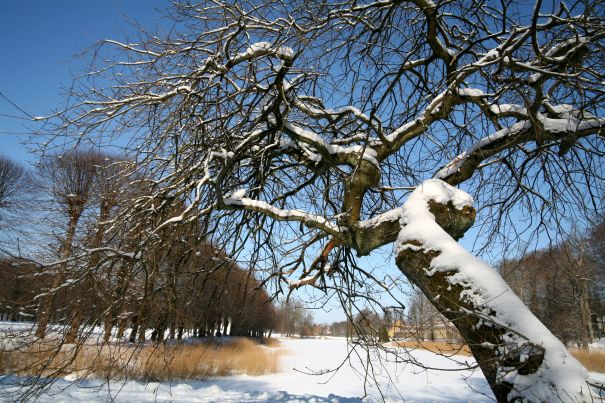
point(107, 326)
point(585, 315)
point(117, 293)
point(135, 328)
point(46, 302)
point(121, 328)
point(519, 357)
point(95, 257)
point(142, 329)
point(76, 321)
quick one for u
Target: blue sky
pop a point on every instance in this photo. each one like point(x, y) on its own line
point(39, 41)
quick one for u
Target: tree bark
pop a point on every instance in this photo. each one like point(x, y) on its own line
point(520, 358)
point(107, 326)
point(46, 302)
point(95, 257)
point(585, 314)
point(135, 328)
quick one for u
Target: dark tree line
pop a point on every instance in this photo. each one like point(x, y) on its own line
point(214, 298)
point(20, 282)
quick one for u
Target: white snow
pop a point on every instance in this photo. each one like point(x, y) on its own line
point(238, 194)
point(454, 165)
point(470, 92)
point(397, 382)
point(533, 78)
point(390, 215)
point(258, 47)
point(491, 55)
point(313, 139)
point(570, 124)
point(285, 52)
point(507, 108)
point(598, 344)
point(261, 49)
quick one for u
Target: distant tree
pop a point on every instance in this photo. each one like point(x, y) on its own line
point(15, 201)
point(423, 315)
point(340, 329)
point(70, 178)
point(13, 180)
point(370, 326)
point(206, 293)
point(293, 318)
point(558, 284)
point(596, 259)
point(19, 285)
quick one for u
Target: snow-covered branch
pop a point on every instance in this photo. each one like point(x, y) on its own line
point(237, 201)
point(565, 130)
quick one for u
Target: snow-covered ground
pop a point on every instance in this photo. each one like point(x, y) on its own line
point(397, 382)
point(386, 380)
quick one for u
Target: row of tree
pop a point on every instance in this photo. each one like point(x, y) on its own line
point(563, 285)
point(293, 318)
point(179, 283)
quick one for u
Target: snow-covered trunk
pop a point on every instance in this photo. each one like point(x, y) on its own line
point(520, 358)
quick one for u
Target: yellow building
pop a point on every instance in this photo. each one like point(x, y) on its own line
point(436, 331)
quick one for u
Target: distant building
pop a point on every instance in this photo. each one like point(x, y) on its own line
point(435, 331)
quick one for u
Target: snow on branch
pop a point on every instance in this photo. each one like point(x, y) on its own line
point(349, 154)
point(237, 200)
point(566, 128)
point(376, 221)
point(454, 166)
point(259, 49)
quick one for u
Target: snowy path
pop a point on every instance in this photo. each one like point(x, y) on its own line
point(407, 383)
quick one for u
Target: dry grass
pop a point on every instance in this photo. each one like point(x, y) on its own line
point(594, 361)
point(149, 363)
point(439, 347)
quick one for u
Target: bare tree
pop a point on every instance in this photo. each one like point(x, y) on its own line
point(293, 318)
point(295, 131)
point(555, 283)
point(13, 178)
point(109, 179)
point(15, 198)
point(70, 177)
point(596, 259)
